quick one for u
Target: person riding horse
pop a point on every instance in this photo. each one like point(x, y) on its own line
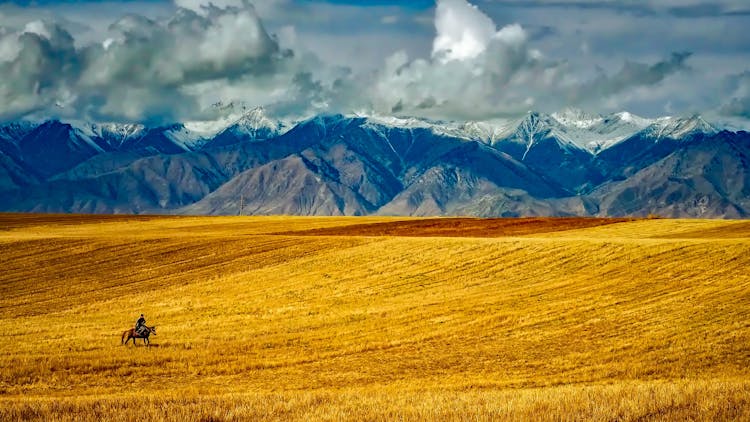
point(140, 325)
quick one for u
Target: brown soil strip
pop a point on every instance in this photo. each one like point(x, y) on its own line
point(463, 227)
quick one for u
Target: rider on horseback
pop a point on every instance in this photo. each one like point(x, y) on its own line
point(140, 325)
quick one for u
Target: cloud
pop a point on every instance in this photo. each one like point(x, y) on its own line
point(479, 72)
point(389, 19)
point(198, 5)
point(474, 70)
point(302, 58)
point(463, 31)
point(38, 64)
point(175, 58)
point(738, 104)
point(146, 70)
point(631, 75)
point(264, 8)
point(682, 8)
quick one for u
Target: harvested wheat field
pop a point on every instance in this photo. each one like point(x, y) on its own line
point(287, 318)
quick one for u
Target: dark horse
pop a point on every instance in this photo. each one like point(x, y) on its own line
point(132, 334)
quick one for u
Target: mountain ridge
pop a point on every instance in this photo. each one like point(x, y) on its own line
point(567, 163)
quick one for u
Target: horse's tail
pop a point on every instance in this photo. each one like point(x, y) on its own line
point(122, 340)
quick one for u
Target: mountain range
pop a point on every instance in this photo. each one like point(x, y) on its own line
point(563, 164)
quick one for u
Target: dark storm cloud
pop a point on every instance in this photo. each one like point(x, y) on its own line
point(37, 65)
point(737, 107)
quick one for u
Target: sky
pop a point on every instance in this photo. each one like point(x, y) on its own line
point(165, 61)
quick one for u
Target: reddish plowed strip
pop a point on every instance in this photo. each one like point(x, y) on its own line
point(463, 227)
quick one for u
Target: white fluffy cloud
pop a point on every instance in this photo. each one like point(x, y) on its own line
point(463, 31)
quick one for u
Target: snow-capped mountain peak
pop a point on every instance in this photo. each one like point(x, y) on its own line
point(484, 131)
point(573, 117)
point(598, 132)
point(488, 131)
point(572, 129)
point(395, 121)
point(17, 130)
point(256, 119)
point(627, 117)
point(680, 127)
point(539, 125)
point(119, 131)
point(185, 137)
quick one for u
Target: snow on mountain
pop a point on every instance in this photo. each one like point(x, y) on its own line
point(571, 128)
point(243, 121)
point(246, 125)
point(483, 131)
point(575, 118)
point(488, 132)
point(188, 136)
point(679, 127)
point(80, 132)
point(591, 132)
point(106, 135)
point(538, 127)
point(567, 163)
point(14, 131)
point(101, 130)
point(599, 132)
point(184, 137)
point(116, 135)
point(394, 121)
point(630, 118)
point(255, 120)
point(121, 130)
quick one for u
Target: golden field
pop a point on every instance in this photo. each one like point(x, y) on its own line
point(291, 318)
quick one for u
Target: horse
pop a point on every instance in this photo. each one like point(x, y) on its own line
point(132, 334)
